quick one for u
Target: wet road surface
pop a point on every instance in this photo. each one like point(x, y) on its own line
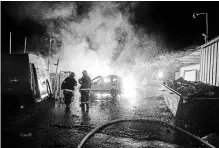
point(54, 125)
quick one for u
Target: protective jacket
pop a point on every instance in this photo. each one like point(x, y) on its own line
point(69, 83)
point(85, 82)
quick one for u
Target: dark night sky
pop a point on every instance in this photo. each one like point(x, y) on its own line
point(173, 20)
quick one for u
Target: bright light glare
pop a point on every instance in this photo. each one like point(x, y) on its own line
point(106, 80)
point(101, 95)
point(99, 68)
point(160, 74)
point(40, 86)
point(132, 100)
point(130, 89)
point(129, 82)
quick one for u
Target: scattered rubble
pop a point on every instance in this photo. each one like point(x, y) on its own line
point(189, 89)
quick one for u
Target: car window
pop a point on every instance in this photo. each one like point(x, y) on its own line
point(115, 79)
point(96, 81)
point(106, 80)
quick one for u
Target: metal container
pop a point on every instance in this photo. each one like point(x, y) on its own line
point(209, 68)
point(199, 116)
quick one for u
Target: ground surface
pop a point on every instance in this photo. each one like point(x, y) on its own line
point(53, 125)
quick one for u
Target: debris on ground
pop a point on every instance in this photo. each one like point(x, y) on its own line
point(190, 89)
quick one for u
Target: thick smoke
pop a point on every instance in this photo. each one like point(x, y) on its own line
point(102, 39)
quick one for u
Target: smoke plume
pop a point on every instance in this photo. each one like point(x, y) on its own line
point(100, 38)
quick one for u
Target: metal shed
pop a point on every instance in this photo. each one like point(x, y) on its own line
point(209, 69)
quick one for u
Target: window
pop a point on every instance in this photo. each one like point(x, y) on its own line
point(190, 75)
point(115, 79)
point(106, 80)
point(96, 81)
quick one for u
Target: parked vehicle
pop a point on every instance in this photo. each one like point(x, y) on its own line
point(25, 81)
point(111, 84)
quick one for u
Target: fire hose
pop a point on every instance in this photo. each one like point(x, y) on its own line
point(97, 129)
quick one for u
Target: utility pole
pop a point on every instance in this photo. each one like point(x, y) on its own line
point(25, 44)
point(10, 44)
point(50, 46)
point(56, 79)
point(206, 40)
point(206, 17)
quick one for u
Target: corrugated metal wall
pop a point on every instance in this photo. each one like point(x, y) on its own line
point(209, 69)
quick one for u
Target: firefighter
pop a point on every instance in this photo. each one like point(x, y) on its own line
point(68, 87)
point(85, 82)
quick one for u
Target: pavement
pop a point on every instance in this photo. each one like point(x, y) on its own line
point(54, 125)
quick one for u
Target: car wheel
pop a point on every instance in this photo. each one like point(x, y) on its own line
point(113, 92)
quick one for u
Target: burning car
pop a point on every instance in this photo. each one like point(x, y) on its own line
point(111, 84)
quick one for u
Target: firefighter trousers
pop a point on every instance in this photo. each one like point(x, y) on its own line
point(68, 98)
point(85, 95)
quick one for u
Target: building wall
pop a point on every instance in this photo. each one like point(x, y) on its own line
point(209, 69)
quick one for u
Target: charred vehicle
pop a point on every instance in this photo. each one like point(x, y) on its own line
point(112, 84)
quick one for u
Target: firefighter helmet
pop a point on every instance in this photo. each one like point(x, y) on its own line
point(84, 72)
point(72, 74)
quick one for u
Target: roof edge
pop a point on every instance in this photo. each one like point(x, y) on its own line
point(210, 42)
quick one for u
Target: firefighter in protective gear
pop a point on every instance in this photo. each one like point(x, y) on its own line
point(85, 82)
point(68, 87)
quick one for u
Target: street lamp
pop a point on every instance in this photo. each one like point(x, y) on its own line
point(50, 46)
point(206, 14)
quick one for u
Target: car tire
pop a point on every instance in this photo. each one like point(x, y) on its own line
point(114, 92)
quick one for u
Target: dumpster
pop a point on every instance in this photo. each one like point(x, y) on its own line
point(199, 116)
